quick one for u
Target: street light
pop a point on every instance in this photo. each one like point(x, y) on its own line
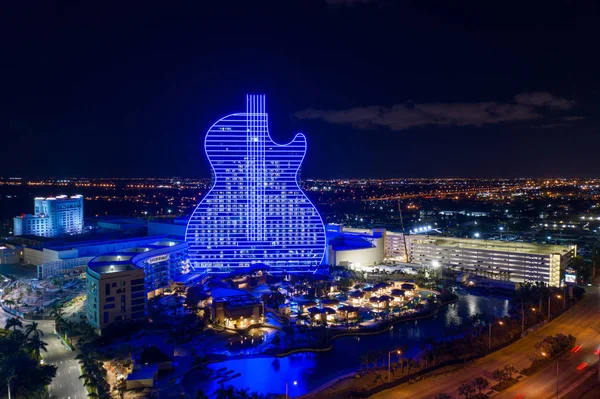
point(598, 352)
point(549, 297)
point(490, 335)
point(399, 352)
point(286, 388)
point(563, 297)
point(557, 369)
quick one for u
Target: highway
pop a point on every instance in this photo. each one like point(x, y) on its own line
point(583, 321)
point(66, 384)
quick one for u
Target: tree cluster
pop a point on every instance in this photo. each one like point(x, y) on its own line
point(94, 375)
point(20, 368)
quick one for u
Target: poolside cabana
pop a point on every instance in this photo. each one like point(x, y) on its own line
point(350, 312)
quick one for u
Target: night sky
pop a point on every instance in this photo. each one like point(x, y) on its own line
point(380, 88)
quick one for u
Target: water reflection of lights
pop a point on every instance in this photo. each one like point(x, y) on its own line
point(472, 303)
point(315, 369)
point(452, 317)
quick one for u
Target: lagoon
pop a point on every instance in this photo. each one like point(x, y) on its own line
point(311, 370)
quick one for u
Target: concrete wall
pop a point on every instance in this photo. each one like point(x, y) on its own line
point(171, 229)
point(38, 256)
point(362, 256)
point(9, 256)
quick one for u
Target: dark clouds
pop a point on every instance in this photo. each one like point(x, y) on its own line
point(544, 99)
point(533, 106)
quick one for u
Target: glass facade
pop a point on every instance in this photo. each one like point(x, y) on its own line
point(255, 211)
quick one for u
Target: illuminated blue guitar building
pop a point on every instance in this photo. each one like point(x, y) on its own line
point(255, 212)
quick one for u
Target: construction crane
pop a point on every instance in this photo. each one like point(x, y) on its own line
point(402, 227)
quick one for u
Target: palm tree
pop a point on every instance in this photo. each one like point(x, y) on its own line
point(466, 390)
point(242, 393)
point(88, 380)
point(16, 340)
point(66, 327)
point(58, 314)
point(225, 393)
point(480, 383)
point(36, 345)
point(59, 320)
point(409, 364)
point(84, 358)
point(88, 362)
point(9, 302)
point(33, 329)
point(510, 370)
point(443, 395)
point(200, 394)
point(13, 323)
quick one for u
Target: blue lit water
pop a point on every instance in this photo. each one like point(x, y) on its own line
point(311, 370)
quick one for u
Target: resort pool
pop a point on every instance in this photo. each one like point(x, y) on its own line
point(311, 370)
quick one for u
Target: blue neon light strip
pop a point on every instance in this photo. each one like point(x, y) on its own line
point(255, 211)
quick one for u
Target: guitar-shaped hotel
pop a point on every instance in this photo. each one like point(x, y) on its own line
point(255, 211)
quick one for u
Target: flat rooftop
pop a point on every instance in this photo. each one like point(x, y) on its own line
point(128, 258)
point(61, 245)
point(240, 301)
point(503, 246)
point(59, 197)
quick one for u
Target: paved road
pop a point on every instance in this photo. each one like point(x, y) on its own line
point(588, 389)
point(583, 321)
point(544, 383)
point(66, 384)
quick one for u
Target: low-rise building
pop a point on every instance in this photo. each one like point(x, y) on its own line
point(238, 311)
point(354, 247)
point(120, 282)
point(8, 255)
point(142, 377)
point(54, 258)
point(348, 312)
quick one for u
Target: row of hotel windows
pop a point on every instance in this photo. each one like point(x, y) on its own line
point(481, 254)
point(487, 261)
point(269, 255)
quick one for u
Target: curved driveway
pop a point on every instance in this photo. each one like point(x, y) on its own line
point(66, 384)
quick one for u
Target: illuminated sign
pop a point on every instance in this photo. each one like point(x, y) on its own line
point(160, 258)
point(570, 275)
point(255, 212)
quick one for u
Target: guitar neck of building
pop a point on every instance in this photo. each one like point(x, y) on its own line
point(257, 133)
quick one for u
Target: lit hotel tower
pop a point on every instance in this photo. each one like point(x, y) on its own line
point(255, 212)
